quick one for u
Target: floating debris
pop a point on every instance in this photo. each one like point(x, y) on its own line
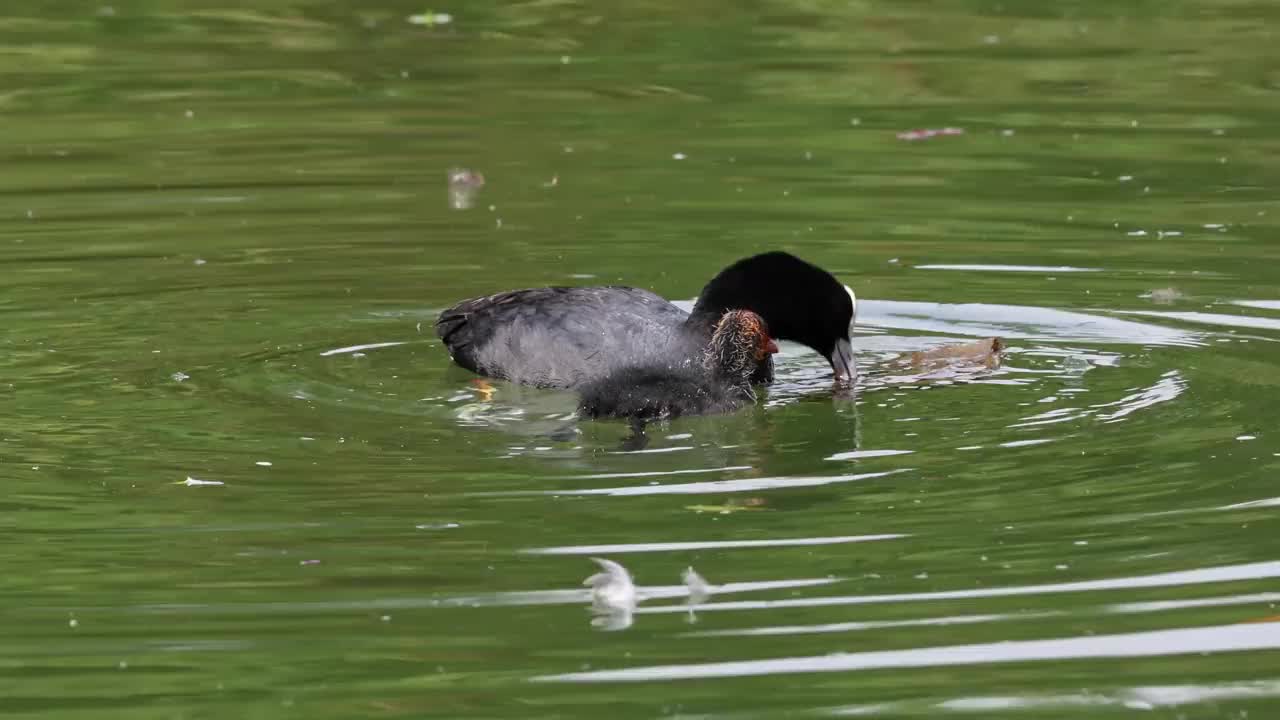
point(430, 19)
point(180, 376)
point(986, 352)
point(612, 588)
point(358, 348)
point(699, 588)
point(613, 596)
point(926, 133)
point(1163, 296)
point(1076, 364)
point(194, 482)
point(464, 184)
point(699, 591)
point(730, 506)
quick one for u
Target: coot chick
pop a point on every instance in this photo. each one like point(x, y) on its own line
point(719, 383)
point(569, 336)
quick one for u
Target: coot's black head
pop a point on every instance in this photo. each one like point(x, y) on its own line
point(738, 346)
point(798, 301)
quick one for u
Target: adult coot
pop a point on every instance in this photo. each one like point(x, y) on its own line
point(720, 382)
point(566, 336)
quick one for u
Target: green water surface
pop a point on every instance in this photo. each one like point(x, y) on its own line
point(226, 230)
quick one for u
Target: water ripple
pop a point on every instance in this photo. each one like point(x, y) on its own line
point(1135, 698)
point(1012, 268)
point(1018, 321)
point(1238, 321)
point(721, 486)
point(705, 545)
point(1156, 643)
point(867, 625)
point(1222, 573)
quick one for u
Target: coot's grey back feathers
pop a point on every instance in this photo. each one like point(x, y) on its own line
point(564, 336)
point(560, 336)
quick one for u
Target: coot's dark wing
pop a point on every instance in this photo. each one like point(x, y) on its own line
point(559, 336)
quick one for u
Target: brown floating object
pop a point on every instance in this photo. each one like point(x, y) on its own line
point(982, 352)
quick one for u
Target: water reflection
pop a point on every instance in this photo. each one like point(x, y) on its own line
point(1224, 573)
point(724, 486)
point(1157, 643)
point(1018, 322)
point(1259, 304)
point(706, 545)
point(1131, 608)
point(1011, 268)
point(515, 598)
point(1237, 321)
point(1149, 697)
point(1167, 389)
point(842, 627)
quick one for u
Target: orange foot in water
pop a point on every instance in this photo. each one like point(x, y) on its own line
point(485, 389)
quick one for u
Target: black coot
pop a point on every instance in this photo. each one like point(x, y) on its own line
point(720, 382)
point(567, 336)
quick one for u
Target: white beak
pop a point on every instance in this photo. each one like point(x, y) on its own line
point(842, 358)
point(844, 363)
